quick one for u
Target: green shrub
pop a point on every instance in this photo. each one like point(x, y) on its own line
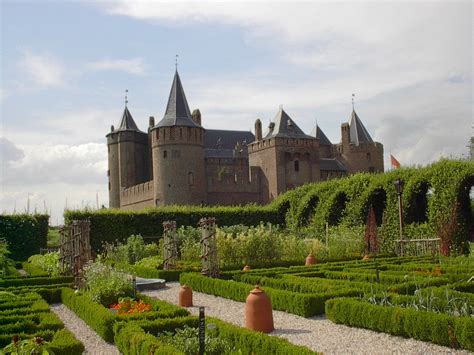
point(65, 343)
point(427, 326)
point(35, 281)
point(110, 225)
point(48, 262)
point(25, 234)
point(305, 305)
point(105, 285)
point(95, 315)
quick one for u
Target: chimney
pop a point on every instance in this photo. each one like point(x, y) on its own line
point(151, 121)
point(196, 115)
point(258, 130)
point(345, 134)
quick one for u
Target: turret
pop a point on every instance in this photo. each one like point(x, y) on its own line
point(178, 153)
point(128, 157)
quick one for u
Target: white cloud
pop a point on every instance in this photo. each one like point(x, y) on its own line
point(42, 68)
point(133, 66)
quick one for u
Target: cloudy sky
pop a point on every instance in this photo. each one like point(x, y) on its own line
point(65, 67)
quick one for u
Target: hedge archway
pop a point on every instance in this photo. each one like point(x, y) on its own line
point(417, 208)
point(337, 209)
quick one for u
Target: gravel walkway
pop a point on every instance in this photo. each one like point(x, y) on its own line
point(93, 343)
point(317, 333)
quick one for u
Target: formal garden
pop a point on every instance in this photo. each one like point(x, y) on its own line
point(387, 253)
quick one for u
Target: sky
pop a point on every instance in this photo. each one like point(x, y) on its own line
point(65, 66)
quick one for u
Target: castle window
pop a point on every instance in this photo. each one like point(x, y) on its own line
point(189, 132)
point(368, 157)
point(157, 134)
point(164, 133)
point(165, 154)
point(180, 133)
point(157, 202)
point(190, 179)
point(110, 187)
point(297, 165)
point(108, 172)
point(172, 133)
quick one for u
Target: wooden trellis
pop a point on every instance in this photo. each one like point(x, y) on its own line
point(75, 248)
point(170, 245)
point(418, 247)
point(210, 262)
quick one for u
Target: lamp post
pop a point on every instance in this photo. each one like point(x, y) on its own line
point(399, 189)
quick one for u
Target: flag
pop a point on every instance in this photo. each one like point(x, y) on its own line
point(395, 163)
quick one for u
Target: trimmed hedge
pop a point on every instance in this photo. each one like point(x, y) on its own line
point(65, 343)
point(302, 304)
point(140, 338)
point(25, 234)
point(427, 326)
point(95, 315)
point(102, 320)
point(35, 281)
point(112, 225)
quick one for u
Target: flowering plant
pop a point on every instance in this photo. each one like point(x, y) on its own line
point(127, 306)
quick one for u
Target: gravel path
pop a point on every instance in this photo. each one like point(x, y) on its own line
point(93, 343)
point(317, 333)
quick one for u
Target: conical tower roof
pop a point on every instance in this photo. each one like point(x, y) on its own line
point(177, 111)
point(127, 123)
point(358, 133)
point(319, 134)
point(284, 126)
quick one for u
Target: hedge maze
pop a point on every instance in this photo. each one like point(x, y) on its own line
point(410, 296)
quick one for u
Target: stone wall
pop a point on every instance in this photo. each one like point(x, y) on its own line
point(138, 196)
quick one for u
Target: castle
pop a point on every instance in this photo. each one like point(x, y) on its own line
point(180, 162)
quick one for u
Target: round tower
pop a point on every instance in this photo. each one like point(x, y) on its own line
point(178, 154)
point(114, 168)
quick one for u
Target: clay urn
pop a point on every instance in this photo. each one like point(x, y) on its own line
point(258, 311)
point(366, 257)
point(310, 260)
point(185, 296)
point(246, 268)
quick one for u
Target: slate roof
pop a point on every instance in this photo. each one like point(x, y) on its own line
point(319, 134)
point(222, 139)
point(219, 153)
point(358, 133)
point(127, 123)
point(177, 111)
point(285, 127)
point(331, 165)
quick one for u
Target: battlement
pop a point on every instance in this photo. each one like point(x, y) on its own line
point(177, 135)
point(283, 142)
point(137, 196)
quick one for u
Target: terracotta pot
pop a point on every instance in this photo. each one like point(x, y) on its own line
point(185, 296)
point(366, 257)
point(310, 260)
point(246, 268)
point(258, 311)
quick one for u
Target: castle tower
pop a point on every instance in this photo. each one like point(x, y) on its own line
point(178, 153)
point(128, 157)
point(357, 148)
point(286, 156)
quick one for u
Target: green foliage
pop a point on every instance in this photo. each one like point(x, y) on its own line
point(53, 237)
point(428, 326)
point(25, 234)
point(187, 341)
point(448, 180)
point(95, 315)
point(35, 345)
point(33, 281)
point(48, 262)
point(110, 225)
point(105, 285)
point(305, 305)
point(5, 261)
point(65, 343)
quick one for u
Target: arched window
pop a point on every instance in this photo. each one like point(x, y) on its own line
point(190, 179)
point(165, 154)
